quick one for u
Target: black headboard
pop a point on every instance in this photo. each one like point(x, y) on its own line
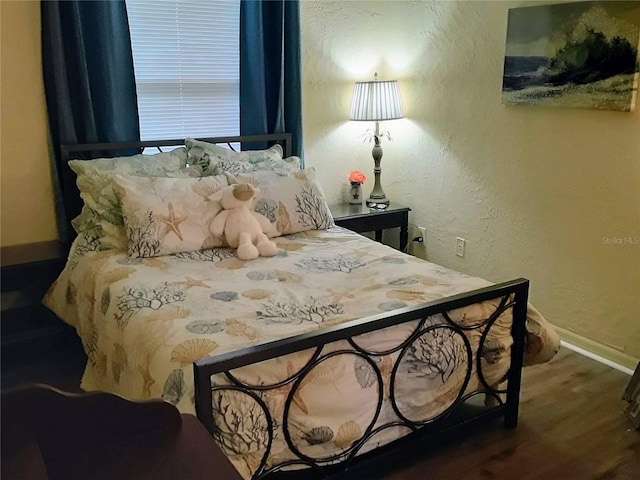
point(85, 151)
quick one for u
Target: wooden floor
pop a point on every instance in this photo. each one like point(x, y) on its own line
point(571, 426)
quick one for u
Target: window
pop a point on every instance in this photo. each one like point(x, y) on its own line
point(186, 60)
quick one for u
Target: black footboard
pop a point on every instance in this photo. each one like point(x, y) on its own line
point(443, 336)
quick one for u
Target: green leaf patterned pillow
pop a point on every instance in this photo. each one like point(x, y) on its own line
point(169, 215)
point(293, 203)
point(216, 159)
point(102, 213)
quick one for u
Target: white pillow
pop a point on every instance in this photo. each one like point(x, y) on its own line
point(101, 214)
point(215, 159)
point(169, 215)
point(293, 203)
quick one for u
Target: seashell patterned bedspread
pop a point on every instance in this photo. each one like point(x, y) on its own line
point(143, 322)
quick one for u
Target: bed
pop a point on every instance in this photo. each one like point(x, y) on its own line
point(317, 358)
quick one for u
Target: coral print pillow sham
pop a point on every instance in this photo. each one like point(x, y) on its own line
point(214, 159)
point(293, 203)
point(101, 216)
point(169, 215)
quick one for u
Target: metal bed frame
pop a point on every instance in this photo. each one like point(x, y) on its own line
point(513, 295)
point(67, 150)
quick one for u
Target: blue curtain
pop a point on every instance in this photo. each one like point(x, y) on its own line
point(270, 75)
point(89, 85)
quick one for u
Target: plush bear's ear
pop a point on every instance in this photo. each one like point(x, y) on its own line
point(243, 191)
point(231, 179)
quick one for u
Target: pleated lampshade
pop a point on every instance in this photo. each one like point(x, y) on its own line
point(376, 101)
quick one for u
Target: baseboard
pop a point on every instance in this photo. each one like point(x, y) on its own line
point(598, 352)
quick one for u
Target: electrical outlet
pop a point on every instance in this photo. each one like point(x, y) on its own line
point(460, 244)
point(419, 234)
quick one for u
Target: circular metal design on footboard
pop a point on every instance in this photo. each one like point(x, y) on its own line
point(326, 404)
point(309, 442)
point(431, 374)
point(243, 425)
point(493, 348)
point(494, 354)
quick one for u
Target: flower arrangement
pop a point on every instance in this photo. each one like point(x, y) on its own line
point(356, 176)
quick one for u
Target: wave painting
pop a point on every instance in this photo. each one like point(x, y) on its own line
point(579, 55)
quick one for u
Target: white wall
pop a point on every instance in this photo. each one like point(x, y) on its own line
point(533, 190)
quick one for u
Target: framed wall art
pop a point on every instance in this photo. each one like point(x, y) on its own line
point(574, 55)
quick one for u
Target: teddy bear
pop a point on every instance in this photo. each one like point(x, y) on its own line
point(242, 228)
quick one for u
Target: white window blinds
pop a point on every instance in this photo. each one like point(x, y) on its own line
point(186, 60)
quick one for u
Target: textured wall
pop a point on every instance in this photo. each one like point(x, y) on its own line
point(533, 190)
point(27, 194)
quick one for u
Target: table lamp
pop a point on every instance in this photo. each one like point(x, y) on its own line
point(376, 101)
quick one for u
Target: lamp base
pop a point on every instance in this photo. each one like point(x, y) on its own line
point(372, 202)
point(377, 199)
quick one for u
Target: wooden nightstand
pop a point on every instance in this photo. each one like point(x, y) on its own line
point(26, 273)
point(361, 218)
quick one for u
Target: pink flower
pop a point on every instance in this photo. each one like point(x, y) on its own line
point(356, 176)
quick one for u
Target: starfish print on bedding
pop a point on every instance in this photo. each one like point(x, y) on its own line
point(191, 282)
point(172, 222)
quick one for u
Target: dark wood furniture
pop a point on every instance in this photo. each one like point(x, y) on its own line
point(50, 434)
point(27, 272)
point(361, 218)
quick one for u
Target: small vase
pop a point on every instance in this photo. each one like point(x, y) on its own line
point(355, 193)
